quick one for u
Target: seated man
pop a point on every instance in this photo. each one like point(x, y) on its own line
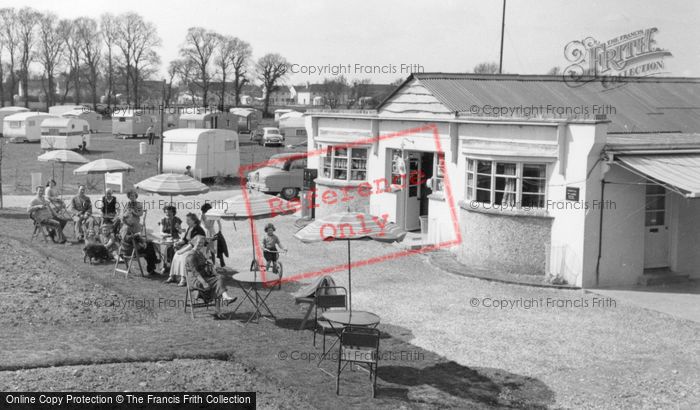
point(40, 211)
point(131, 232)
point(109, 206)
point(209, 284)
point(81, 211)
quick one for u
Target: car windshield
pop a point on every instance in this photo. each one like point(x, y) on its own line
point(282, 164)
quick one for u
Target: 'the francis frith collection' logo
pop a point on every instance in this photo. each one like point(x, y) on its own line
point(630, 55)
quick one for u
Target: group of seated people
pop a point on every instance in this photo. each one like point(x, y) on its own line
point(111, 233)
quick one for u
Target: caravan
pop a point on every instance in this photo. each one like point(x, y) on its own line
point(293, 124)
point(210, 152)
point(91, 117)
point(131, 123)
point(62, 109)
point(65, 133)
point(209, 119)
point(5, 111)
point(24, 126)
point(248, 119)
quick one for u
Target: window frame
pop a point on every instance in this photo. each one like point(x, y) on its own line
point(472, 186)
point(349, 159)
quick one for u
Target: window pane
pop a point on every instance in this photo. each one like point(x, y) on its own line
point(470, 165)
point(359, 152)
point(483, 196)
point(483, 167)
point(656, 203)
point(505, 168)
point(654, 218)
point(505, 198)
point(533, 186)
point(483, 181)
point(534, 171)
point(341, 152)
point(533, 201)
point(470, 180)
point(505, 184)
point(470, 193)
point(653, 189)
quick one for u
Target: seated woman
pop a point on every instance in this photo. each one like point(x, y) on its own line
point(170, 226)
point(209, 229)
point(40, 211)
point(53, 197)
point(184, 248)
point(132, 234)
point(209, 284)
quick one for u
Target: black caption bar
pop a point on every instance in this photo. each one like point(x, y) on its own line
point(127, 400)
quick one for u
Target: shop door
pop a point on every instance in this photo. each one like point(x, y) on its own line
point(655, 228)
point(413, 191)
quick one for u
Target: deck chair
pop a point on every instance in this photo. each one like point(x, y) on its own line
point(195, 295)
point(127, 259)
point(359, 345)
point(39, 228)
point(331, 297)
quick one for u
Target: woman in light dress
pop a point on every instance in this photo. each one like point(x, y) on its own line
point(178, 266)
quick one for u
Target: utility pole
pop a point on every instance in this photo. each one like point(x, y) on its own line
point(503, 28)
point(162, 114)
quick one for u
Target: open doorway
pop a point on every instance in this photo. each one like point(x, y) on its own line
point(419, 168)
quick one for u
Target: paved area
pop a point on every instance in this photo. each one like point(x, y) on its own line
point(681, 300)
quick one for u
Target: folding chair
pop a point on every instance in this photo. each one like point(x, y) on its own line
point(39, 228)
point(127, 260)
point(197, 300)
point(359, 345)
point(328, 298)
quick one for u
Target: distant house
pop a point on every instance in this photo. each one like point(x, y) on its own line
point(282, 95)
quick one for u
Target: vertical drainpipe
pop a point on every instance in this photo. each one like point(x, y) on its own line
point(600, 222)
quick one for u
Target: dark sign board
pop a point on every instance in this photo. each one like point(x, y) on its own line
point(309, 175)
point(572, 193)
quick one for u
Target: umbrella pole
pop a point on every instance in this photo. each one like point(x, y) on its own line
point(63, 174)
point(349, 278)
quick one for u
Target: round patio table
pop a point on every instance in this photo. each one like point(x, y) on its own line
point(354, 318)
point(251, 283)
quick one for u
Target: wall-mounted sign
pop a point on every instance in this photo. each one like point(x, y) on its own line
point(572, 193)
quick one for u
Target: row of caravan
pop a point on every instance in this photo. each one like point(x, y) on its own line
point(53, 131)
point(134, 123)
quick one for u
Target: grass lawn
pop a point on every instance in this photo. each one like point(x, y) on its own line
point(440, 350)
point(19, 161)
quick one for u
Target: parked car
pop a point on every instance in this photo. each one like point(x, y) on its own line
point(271, 136)
point(285, 177)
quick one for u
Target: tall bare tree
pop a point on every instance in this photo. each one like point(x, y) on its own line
point(50, 50)
point(224, 63)
point(72, 54)
point(199, 47)
point(109, 31)
point(136, 40)
point(241, 62)
point(333, 90)
point(10, 42)
point(184, 70)
point(90, 46)
point(27, 19)
point(270, 68)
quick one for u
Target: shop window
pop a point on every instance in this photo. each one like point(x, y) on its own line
point(439, 177)
point(345, 164)
point(506, 183)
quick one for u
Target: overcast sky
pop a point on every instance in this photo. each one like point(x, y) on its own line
point(439, 35)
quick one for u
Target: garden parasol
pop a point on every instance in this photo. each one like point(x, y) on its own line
point(350, 226)
point(172, 184)
point(103, 166)
point(64, 157)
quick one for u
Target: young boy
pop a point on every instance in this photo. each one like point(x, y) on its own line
point(269, 243)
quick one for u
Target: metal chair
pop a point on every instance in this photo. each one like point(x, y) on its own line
point(359, 345)
point(328, 298)
point(197, 300)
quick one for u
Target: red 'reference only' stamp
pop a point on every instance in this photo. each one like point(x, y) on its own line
point(363, 189)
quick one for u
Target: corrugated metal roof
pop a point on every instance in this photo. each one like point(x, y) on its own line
point(632, 142)
point(651, 104)
point(681, 171)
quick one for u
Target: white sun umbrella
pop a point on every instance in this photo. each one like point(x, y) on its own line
point(251, 205)
point(63, 157)
point(103, 166)
point(172, 185)
point(350, 226)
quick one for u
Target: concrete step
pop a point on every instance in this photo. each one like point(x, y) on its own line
point(662, 277)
